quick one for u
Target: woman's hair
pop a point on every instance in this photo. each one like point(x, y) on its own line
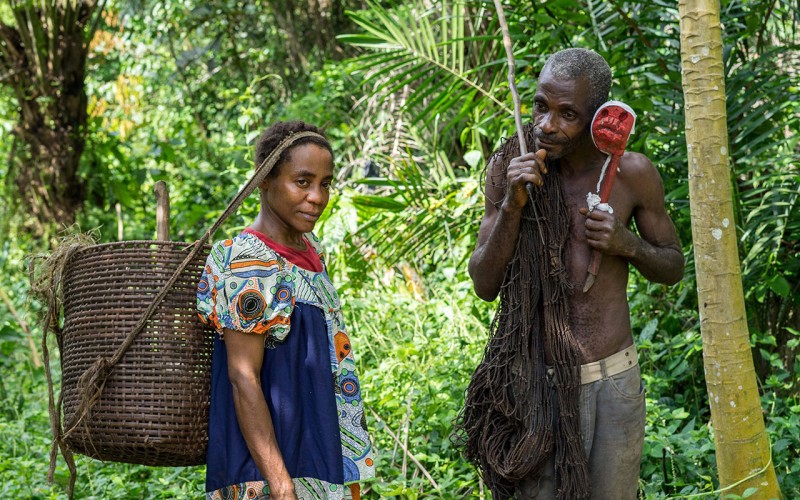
point(274, 135)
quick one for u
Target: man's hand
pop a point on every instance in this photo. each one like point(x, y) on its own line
point(528, 168)
point(605, 232)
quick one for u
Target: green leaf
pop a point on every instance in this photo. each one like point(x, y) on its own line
point(749, 492)
point(382, 202)
point(648, 330)
point(473, 158)
point(780, 285)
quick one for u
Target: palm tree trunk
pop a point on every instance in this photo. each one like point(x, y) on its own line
point(742, 446)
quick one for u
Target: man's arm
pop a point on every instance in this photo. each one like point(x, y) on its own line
point(657, 254)
point(245, 357)
point(497, 237)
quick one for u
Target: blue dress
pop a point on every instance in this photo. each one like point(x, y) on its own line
point(308, 375)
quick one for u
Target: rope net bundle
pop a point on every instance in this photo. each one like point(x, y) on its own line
point(510, 425)
point(135, 358)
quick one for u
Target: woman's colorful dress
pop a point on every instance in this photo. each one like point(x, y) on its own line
point(308, 375)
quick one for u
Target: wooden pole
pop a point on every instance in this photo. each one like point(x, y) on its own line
point(512, 85)
point(120, 228)
point(162, 211)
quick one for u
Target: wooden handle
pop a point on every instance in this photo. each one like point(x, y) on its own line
point(605, 189)
point(162, 211)
point(594, 266)
point(605, 194)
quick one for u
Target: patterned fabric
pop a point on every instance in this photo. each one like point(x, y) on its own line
point(305, 489)
point(248, 287)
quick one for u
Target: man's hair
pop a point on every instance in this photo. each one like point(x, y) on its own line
point(274, 135)
point(570, 64)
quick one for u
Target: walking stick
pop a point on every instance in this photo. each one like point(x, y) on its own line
point(612, 125)
point(512, 85)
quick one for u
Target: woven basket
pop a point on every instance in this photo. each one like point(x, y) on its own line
point(153, 409)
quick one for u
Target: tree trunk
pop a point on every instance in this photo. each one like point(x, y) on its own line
point(742, 446)
point(44, 60)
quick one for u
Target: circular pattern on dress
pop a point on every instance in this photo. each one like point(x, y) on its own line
point(350, 388)
point(350, 469)
point(342, 344)
point(250, 305)
point(282, 293)
point(358, 420)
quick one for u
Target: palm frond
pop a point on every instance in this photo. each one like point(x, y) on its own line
point(426, 49)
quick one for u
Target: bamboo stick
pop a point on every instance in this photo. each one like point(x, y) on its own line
point(512, 86)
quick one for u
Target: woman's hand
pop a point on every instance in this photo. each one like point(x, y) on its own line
point(528, 168)
point(282, 490)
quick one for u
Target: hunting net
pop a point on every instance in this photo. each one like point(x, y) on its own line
point(519, 411)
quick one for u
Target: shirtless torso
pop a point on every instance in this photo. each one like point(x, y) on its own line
point(599, 318)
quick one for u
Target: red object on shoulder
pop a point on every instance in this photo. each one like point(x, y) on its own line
point(307, 259)
point(612, 126)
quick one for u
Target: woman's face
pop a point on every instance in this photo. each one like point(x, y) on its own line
point(298, 194)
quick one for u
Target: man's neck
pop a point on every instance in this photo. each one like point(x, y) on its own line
point(581, 162)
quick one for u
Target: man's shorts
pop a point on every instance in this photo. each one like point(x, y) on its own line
point(612, 427)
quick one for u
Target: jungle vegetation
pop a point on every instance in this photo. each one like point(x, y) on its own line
point(101, 99)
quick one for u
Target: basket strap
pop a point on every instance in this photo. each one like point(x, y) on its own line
point(92, 381)
point(46, 285)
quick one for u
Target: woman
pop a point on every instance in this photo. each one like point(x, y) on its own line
point(287, 420)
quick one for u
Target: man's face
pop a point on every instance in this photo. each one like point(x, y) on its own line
point(561, 115)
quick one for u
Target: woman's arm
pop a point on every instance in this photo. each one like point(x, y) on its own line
point(245, 357)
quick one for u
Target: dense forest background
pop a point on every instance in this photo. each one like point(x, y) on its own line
point(98, 105)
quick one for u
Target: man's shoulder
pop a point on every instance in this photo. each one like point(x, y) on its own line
point(636, 167)
point(636, 163)
point(641, 177)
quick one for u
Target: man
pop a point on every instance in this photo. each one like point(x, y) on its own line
point(571, 87)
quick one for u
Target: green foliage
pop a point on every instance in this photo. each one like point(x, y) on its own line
point(425, 47)
point(25, 444)
point(415, 367)
point(399, 224)
point(178, 90)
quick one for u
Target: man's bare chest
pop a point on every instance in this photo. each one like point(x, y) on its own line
point(574, 191)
